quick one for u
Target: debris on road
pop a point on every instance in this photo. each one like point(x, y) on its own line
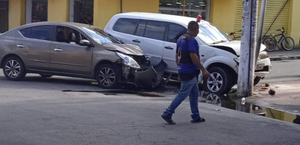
point(272, 92)
point(267, 85)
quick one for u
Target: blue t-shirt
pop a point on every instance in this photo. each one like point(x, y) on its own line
point(187, 44)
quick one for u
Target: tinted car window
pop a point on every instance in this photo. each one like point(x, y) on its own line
point(68, 35)
point(125, 25)
point(155, 30)
point(25, 32)
point(38, 32)
point(175, 31)
point(141, 28)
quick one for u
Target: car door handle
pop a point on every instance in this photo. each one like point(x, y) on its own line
point(202, 55)
point(169, 47)
point(20, 46)
point(137, 41)
point(58, 50)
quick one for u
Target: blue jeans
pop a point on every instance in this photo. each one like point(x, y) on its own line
point(188, 88)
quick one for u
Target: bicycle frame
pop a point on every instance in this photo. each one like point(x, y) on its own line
point(281, 38)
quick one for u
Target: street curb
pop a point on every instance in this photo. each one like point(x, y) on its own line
point(280, 58)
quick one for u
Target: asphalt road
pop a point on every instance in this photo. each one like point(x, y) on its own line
point(37, 111)
point(284, 71)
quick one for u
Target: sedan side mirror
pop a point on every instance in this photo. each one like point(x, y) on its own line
point(85, 43)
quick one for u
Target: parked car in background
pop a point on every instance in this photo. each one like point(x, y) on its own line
point(157, 34)
point(70, 49)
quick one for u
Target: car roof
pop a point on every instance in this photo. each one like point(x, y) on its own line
point(160, 17)
point(57, 23)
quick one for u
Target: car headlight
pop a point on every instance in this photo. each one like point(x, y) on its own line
point(129, 61)
point(263, 55)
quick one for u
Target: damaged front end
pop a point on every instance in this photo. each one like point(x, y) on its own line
point(135, 68)
point(146, 76)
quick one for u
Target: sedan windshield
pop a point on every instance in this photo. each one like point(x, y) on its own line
point(211, 34)
point(100, 36)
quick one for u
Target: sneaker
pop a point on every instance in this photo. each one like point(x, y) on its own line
point(198, 120)
point(168, 119)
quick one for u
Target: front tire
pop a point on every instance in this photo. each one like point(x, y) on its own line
point(106, 76)
point(288, 43)
point(219, 82)
point(14, 69)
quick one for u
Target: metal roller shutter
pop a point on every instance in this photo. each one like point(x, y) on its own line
point(272, 9)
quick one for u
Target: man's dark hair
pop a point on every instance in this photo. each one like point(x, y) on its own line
point(193, 25)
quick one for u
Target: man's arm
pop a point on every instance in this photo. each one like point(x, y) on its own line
point(197, 62)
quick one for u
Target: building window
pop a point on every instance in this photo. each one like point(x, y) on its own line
point(36, 11)
point(3, 16)
point(191, 8)
point(82, 11)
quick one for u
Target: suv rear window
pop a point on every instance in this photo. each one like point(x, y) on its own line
point(125, 25)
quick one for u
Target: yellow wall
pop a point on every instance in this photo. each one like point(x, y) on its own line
point(141, 6)
point(58, 10)
point(104, 10)
point(222, 14)
point(16, 13)
point(294, 21)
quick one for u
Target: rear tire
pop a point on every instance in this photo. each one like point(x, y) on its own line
point(14, 69)
point(220, 81)
point(106, 76)
point(270, 44)
point(288, 43)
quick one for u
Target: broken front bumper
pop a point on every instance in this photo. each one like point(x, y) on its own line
point(148, 77)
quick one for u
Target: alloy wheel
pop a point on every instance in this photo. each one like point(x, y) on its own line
point(107, 76)
point(215, 82)
point(13, 68)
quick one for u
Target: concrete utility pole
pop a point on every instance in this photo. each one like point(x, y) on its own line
point(248, 45)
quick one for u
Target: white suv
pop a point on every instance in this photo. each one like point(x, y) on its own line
point(156, 34)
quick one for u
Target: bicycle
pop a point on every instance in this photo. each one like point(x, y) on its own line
point(235, 37)
point(287, 43)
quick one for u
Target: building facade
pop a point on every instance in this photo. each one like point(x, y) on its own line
point(225, 14)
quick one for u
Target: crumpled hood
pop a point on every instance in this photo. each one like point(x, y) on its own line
point(128, 49)
point(236, 46)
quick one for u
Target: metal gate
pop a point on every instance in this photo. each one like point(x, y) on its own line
point(276, 16)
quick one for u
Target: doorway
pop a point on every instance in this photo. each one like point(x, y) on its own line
point(3, 16)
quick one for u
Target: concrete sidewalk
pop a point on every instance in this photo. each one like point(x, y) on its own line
point(279, 55)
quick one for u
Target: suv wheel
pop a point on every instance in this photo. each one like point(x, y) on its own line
point(107, 76)
point(13, 69)
point(219, 82)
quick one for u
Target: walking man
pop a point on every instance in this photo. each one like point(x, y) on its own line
point(189, 66)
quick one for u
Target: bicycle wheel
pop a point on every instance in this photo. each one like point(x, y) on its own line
point(270, 44)
point(288, 43)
